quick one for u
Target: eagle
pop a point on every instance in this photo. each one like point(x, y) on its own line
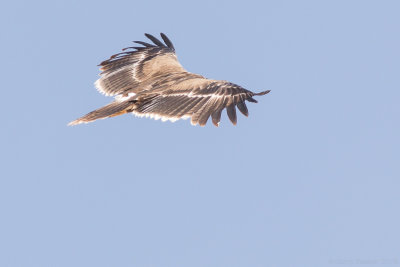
point(149, 81)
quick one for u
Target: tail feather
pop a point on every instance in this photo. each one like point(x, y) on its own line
point(110, 110)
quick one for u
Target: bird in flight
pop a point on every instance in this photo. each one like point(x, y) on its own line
point(149, 81)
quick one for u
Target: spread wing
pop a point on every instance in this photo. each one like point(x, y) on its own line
point(149, 81)
point(128, 71)
point(197, 98)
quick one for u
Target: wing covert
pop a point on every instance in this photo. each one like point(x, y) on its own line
point(123, 72)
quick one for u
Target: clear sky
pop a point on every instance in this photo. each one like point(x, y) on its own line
point(311, 178)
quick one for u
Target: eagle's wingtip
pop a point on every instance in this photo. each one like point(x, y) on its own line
point(263, 92)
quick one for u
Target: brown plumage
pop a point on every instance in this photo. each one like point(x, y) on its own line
point(149, 81)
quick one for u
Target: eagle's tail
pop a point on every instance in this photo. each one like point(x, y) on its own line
point(113, 109)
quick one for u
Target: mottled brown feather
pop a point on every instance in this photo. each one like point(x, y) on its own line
point(149, 80)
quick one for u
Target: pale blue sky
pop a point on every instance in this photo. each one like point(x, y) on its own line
point(311, 178)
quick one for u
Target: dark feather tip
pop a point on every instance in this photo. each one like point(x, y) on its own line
point(154, 40)
point(263, 93)
point(231, 111)
point(250, 99)
point(126, 48)
point(167, 41)
point(243, 108)
point(144, 43)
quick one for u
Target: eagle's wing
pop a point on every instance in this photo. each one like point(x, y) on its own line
point(149, 81)
point(128, 71)
point(197, 98)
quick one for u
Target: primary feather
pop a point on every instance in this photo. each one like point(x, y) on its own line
point(149, 81)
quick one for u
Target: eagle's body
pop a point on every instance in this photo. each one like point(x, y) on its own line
point(149, 81)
